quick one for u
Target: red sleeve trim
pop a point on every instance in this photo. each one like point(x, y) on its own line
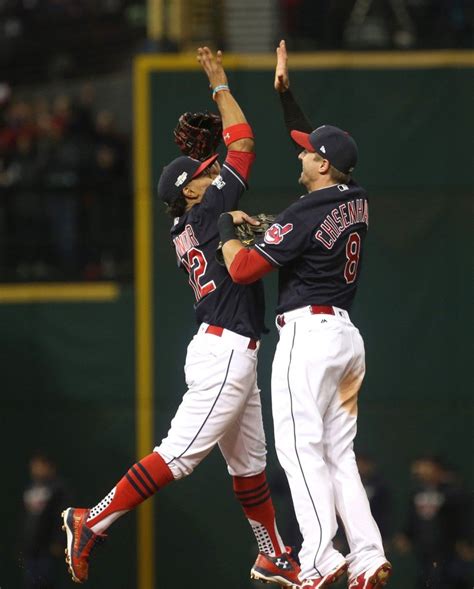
point(241, 162)
point(249, 266)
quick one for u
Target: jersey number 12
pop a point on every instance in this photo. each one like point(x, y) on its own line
point(197, 268)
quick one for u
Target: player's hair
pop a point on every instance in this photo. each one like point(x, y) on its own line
point(338, 176)
point(177, 208)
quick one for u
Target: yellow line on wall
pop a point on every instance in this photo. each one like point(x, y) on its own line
point(74, 292)
point(143, 314)
point(321, 60)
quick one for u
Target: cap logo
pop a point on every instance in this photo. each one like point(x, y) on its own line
point(323, 149)
point(181, 178)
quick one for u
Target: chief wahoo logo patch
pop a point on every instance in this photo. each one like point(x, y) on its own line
point(276, 233)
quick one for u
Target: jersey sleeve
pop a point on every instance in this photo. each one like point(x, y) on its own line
point(249, 266)
point(295, 119)
point(225, 191)
point(285, 239)
point(241, 162)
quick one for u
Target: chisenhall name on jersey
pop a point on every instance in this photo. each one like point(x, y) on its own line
point(340, 218)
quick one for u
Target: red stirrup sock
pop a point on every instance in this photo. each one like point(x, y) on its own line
point(254, 496)
point(142, 481)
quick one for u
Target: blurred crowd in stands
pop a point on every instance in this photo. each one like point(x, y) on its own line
point(438, 526)
point(53, 39)
point(44, 40)
point(65, 190)
point(377, 24)
point(40, 539)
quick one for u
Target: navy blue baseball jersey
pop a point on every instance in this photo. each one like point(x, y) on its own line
point(317, 241)
point(219, 301)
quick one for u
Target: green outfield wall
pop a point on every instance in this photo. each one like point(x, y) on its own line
point(75, 375)
point(67, 382)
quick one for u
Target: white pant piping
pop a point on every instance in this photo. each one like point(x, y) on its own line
point(298, 457)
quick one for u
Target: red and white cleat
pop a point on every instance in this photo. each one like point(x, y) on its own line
point(374, 580)
point(282, 570)
point(80, 542)
point(325, 581)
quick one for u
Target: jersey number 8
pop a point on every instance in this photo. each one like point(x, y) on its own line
point(352, 255)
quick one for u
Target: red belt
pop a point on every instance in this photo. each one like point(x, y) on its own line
point(313, 309)
point(215, 330)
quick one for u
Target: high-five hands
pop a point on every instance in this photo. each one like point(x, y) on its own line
point(212, 66)
point(282, 80)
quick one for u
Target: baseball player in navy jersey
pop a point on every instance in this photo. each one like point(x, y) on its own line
point(222, 404)
point(317, 245)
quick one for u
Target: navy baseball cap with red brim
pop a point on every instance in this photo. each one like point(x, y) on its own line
point(178, 173)
point(332, 144)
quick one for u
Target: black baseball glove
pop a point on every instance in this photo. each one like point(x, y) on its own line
point(198, 134)
point(248, 234)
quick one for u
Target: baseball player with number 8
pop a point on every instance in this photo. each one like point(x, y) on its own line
point(222, 404)
point(319, 365)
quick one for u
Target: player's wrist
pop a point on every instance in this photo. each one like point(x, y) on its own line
point(286, 96)
point(226, 227)
point(219, 88)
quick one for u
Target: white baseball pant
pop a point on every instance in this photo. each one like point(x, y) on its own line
point(318, 368)
point(222, 406)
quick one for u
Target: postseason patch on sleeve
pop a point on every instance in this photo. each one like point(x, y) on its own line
point(218, 182)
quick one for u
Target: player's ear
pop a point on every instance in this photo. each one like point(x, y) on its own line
point(324, 166)
point(191, 195)
point(189, 192)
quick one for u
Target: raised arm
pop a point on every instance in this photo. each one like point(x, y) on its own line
point(237, 132)
point(295, 118)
